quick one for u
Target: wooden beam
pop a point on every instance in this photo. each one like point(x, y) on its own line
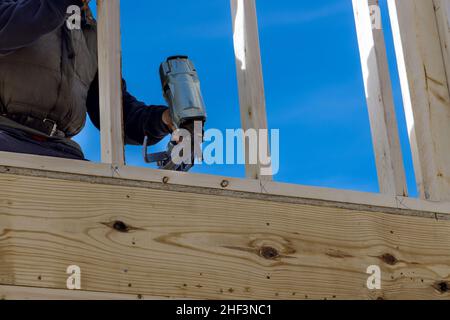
point(425, 93)
point(110, 81)
point(201, 183)
point(249, 74)
point(380, 102)
point(31, 293)
point(138, 240)
point(442, 8)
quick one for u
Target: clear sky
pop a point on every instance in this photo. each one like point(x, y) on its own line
point(313, 82)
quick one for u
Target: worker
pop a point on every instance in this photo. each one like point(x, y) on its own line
point(49, 82)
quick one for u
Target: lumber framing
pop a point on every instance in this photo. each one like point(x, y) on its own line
point(442, 8)
point(210, 184)
point(380, 102)
point(228, 238)
point(35, 293)
point(135, 240)
point(425, 93)
point(110, 82)
point(249, 73)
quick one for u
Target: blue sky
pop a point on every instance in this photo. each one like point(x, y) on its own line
point(313, 82)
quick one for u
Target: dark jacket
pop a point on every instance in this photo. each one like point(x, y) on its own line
point(50, 72)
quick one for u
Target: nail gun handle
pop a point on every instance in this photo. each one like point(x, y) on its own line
point(158, 157)
point(164, 159)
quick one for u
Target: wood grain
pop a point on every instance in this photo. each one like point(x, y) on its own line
point(110, 82)
point(425, 91)
point(204, 183)
point(442, 9)
point(380, 102)
point(250, 75)
point(30, 293)
point(132, 240)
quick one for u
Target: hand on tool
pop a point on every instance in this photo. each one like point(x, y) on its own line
point(181, 89)
point(167, 119)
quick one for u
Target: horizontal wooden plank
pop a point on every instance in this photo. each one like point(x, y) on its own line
point(31, 293)
point(136, 240)
point(203, 183)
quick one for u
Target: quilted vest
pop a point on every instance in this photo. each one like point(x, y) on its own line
point(50, 79)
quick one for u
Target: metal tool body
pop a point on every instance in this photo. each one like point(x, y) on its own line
point(181, 89)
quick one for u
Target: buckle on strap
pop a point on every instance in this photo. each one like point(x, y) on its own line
point(47, 126)
point(54, 126)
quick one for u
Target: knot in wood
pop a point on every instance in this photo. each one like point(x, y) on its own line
point(389, 259)
point(120, 226)
point(269, 253)
point(442, 287)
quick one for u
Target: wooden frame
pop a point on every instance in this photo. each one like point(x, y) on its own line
point(249, 74)
point(110, 82)
point(136, 241)
point(249, 71)
point(252, 89)
point(442, 8)
point(425, 93)
point(34, 293)
point(386, 141)
point(202, 183)
point(227, 237)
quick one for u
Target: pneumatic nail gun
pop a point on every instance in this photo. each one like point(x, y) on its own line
point(181, 89)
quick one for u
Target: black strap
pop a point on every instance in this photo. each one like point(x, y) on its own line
point(46, 126)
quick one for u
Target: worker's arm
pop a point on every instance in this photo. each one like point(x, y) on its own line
point(139, 119)
point(22, 22)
